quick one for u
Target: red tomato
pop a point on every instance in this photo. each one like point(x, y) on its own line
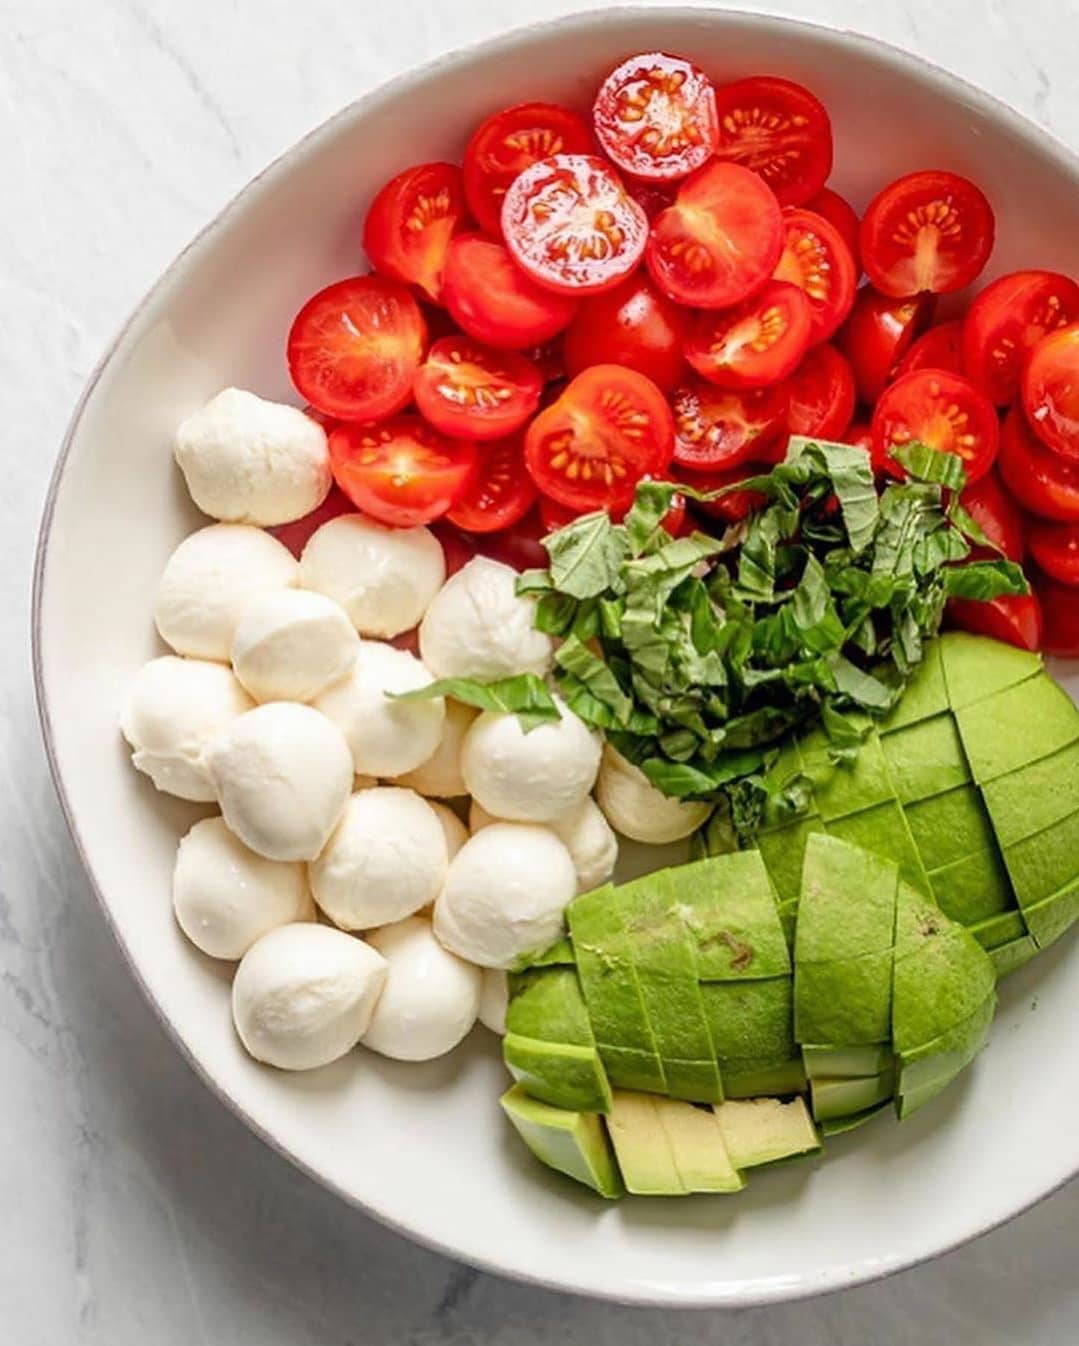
point(610, 427)
point(571, 225)
point(879, 333)
point(655, 115)
point(296, 534)
point(492, 299)
point(1060, 617)
point(1014, 618)
point(632, 325)
point(758, 342)
point(354, 348)
point(509, 142)
point(1042, 481)
point(652, 197)
point(499, 492)
point(822, 395)
point(998, 516)
point(410, 223)
point(779, 130)
point(401, 472)
point(736, 506)
point(1007, 320)
point(550, 359)
point(926, 231)
point(717, 429)
point(945, 411)
point(816, 259)
point(327, 422)
point(839, 213)
point(472, 391)
point(939, 348)
point(860, 435)
point(720, 240)
point(556, 516)
point(1055, 547)
point(1051, 390)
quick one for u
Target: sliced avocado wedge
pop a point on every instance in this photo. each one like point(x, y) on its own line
point(751, 1078)
point(848, 901)
point(1044, 864)
point(926, 694)
point(840, 789)
point(641, 1146)
point(546, 1003)
point(975, 667)
point(975, 890)
point(1049, 919)
point(996, 931)
point(845, 1000)
point(558, 1073)
point(950, 826)
point(1035, 797)
point(560, 954)
point(573, 1143)
point(783, 852)
point(835, 1098)
point(884, 831)
point(1018, 726)
point(839, 1126)
point(927, 1070)
point(1010, 957)
point(846, 1062)
point(750, 1022)
point(700, 1152)
point(764, 1130)
point(926, 759)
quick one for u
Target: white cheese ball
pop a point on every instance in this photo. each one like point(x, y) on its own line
point(505, 894)
point(454, 830)
point(387, 737)
point(283, 775)
point(534, 777)
point(440, 775)
point(431, 997)
point(291, 644)
point(384, 578)
point(303, 995)
point(478, 627)
point(494, 1000)
point(246, 460)
point(173, 709)
point(584, 832)
point(208, 582)
point(637, 809)
point(386, 859)
point(225, 896)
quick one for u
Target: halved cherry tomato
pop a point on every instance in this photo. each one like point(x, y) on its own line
point(571, 225)
point(499, 493)
point(610, 427)
point(717, 428)
point(1041, 480)
point(632, 325)
point(839, 213)
point(720, 240)
point(401, 472)
point(926, 231)
point(655, 115)
point(509, 142)
point(295, 535)
point(822, 395)
point(877, 335)
point(816, 259)
point(939, 348)
point(1051, 391)
point(471, 391)
point(556, 516)
point(944, 411)
point(1060, 617)
point(778, 129)
point(758, 342)
point(998, 516)
point(354, 348)
point(736, 506)
point(1015, 619)
point(1055, 547)
point(492, 299)
point(410, 223)
point(1007, 320)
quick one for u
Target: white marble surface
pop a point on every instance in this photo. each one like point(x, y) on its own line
point(133, 1208)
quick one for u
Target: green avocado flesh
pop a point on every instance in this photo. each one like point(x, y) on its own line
point(573, 1143)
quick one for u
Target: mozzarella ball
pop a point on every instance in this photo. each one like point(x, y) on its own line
point(454, 830)
point(291, 644)
point(246, 460)
point(637, 809)
point(387, 737)
point(592, 845)
point(441, 775)
point(430, 999)
point(505, 894)
point(303, 995)
point(494, 1000)
point(386, 859)
point(384, 578)
point(533, 777)
point(225, 896)
point(478, 627)
point(173, 709)
point(283, 775)
point(208, 581)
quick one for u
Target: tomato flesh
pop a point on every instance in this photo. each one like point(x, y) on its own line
point(633, 325)
point(939, 348)
point(476, 392)
point(655, 116)
point(718, 428)
point(401, 472)
point(944, 411)
point(842, 216)
point(1060, 617)
point(816, 259)
point(1007, 320)
point(1015, 619)
point(1042, 481)
point(499, 493)
point(779, 130)
point(879, 333)
point(1051, 391)
point(491, 298)
point(822, 395)
point(410, 223)
point(758, 342)
point(998, 516)
point(1055, 548)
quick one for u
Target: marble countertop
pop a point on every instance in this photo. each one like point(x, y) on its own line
point(133, 1207)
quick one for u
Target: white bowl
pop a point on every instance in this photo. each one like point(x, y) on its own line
point(424, 1148)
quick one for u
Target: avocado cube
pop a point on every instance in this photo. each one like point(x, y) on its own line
point(750, 1020)
point(926, 759)
point(843, 788)
point(844, 1001)
point(975, 667)
point(1049, 919)
point(1013, 728)
point(975, 889)
point(641, 1147)
point(832, 1099)
point(749, 1078)
point(573, 1143)
point(633, 1068)
point(1035, 797)
point(884, 831)
point(560, 954)
point(938, 986)
point(783, 853)
point(729, 909)
point(926, 694)
point(763, 1130)
point(1010, 957)
point(1045, 863)
point(950, 826)
point(847, 907)
point(788, 918)
point(839, 1062)
point(700, 1152)
point(547, 1004)
point(839, 1126)
point(917, 919)
point(996, 931)
point(561, 1074)
point(930, 1068)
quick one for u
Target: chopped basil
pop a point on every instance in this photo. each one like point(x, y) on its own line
point(525, 695)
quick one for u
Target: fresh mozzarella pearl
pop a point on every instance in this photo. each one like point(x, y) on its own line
point(386, 859)
point(637, 809)
point(505, 894)
point(291, 644)
point(441, 775)
point(455, 831)
point(250, 461)
point(494, 1000)
point(478, 627)
point(283, 775)
point(387, 737)
point(173, 709)
point(584, 832)
point(534, 777)
point(430, 999)
point(304, 995)
point(209, 579)
point(384, 578)
point(225, 896)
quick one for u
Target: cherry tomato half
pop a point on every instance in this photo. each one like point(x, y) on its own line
point(1055, 547)
point(655, 116)
point(778, 129)
point(1041, 480)
point(718, 428)
point(609, 428)
point(877, 335)
point(472, 391)
point(720, 240)
point(736, 506)
point(1015, 619)
point(401, 472)
point(410, 223)
point(1007, 320)
point(632, 325)
point(926, 231)
point(509, 142)
point(998, 516)
point(354, 348)
point(816, 259)
point(758, 342)
point(1060, 617)
point(822, 395)
point(492, 299)
point(945, 411)
point(839, 213)
point(499, 493)
point(1051, 391)
point(939, 348)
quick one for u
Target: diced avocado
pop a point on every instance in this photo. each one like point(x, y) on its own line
point(884, 831)
point(834, 1098)
point(1049, 919)
point(1035, 797)
point(632, 1068)
point(729, 908)
point(849, 786)
point(976, 667)
point(641, 1147)
point(926, 759)
point(996, 931)
point(1016, 727)
point(783, 852)
point(546, 1003)
point(700, 1152)
point(559, 1073)
point(750, 1021)
point(749, 1078)
point(1010, 957)
point(788, 917)
point(696, 1081)
point(847, 907)
point(846, 1062)
point(975, 889)
point(937, 987)
point(763, 1130)
point(926, 694)
point(558, 955)
point(573, 1143)
point(930, 1068)
point(950, 826)
point(845, 1000)
point(839, 1126)
point(1045, 863)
